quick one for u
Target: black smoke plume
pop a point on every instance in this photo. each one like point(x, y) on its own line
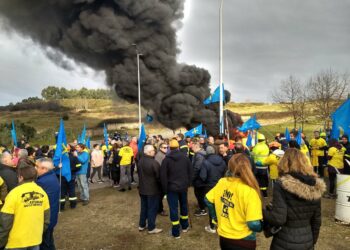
point(100, 34)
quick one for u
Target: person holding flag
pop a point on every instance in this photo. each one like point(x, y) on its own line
point(83, 158)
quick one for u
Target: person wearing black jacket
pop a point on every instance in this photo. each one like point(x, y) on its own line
point(7, 172)
point(183, 144)
point(114, 166)
point(212, 170)
point(149, 188)
point(296, 207)
point(198, 185)
point(176, 177)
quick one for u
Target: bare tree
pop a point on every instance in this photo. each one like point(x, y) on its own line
point(327, 90)
point(289, 95)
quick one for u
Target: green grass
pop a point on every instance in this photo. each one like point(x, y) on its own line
point(273, 117)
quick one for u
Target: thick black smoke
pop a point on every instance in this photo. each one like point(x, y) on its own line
point(100, 34)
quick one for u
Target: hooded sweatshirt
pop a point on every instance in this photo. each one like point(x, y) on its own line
point(212, 170)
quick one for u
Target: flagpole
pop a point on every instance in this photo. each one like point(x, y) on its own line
point(138, 84)
point(221, 116)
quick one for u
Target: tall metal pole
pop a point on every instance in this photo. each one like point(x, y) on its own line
point(221, 116)
point(138, 84)
point(139, 90)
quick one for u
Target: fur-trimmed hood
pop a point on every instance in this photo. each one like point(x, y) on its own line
point(305, 187)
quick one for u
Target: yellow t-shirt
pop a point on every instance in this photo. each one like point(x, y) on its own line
point(104, 148)
point(27, 203)
point(272, 161)
point(1, 183)
point(337, 157)
point(126, 153)
point(235, 204)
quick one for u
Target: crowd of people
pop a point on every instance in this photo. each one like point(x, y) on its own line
point(230, 182)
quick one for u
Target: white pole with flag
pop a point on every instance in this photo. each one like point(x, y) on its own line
point(221, 116)
point(138, 84)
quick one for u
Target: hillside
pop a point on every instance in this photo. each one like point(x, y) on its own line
point(123, 116)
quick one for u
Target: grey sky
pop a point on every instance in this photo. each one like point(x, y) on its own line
point(264, 42)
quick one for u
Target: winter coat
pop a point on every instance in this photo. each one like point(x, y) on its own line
point(176, 172)
point(160, 157)
point(148, 171)
point(296, 207)
point(9, 175)
point(212, 170)
point(83, 159)
point(197, 162)
point(51, 186)
point(184, 147)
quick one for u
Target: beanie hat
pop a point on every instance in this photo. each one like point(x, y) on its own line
point(173, 144)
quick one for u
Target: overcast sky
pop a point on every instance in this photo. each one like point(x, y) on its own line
point(264, 42)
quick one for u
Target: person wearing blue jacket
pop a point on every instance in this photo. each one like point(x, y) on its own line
point(48, 181)
point(83, 158)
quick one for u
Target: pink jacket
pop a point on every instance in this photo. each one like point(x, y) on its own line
point(96, 158)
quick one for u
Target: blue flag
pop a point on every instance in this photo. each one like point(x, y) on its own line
point(88, 143)
point(287, 135)
point(341, 119)
point(61, 153)
point(298, 138)
point(205, 133)
point(14, 134)
point(250, 124)
point(142, 138)
point(195, 131)
point(215, 97)
point(149, 118)
point(249, 140)
point(82, 136)
point(105, 135)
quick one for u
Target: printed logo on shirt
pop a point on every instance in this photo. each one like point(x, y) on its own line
point(31, 199)
point(226, 200)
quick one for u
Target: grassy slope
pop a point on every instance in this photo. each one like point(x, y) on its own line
point(272, 116)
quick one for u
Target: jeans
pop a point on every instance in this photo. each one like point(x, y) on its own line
point(174, 198)
point(68, 189)
point(48, 241)
point(132, 172)
point(98, 170)
point(83, 187)
point(125, 176)
point(149, 209)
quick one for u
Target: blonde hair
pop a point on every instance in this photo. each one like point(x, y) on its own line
point(240, 167)
point(294, 161)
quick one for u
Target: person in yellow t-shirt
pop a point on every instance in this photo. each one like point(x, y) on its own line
point(336, 154)
point(317, 147)
point(235, 205)
point(3, 191)
point(126, 155)
point(272, 161)
point(25, 214)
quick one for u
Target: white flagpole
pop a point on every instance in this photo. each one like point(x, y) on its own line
point(138, 84)
point(221, 116)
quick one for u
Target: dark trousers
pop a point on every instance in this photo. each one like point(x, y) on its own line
point(321, 166)
point(132, 172)
point(115, 174)
point(263, 180)
point(200, 193)
point(68, 190)
point(88, 171)
point(98, 170)
point(105, 168)
point(48, 241)
point(229, 244)
point(332, 174)
point(174, 198)
point(160, 206)
point(149, 209)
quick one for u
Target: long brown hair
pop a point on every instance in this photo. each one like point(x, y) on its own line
point(294, 161)
point(240, 167)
